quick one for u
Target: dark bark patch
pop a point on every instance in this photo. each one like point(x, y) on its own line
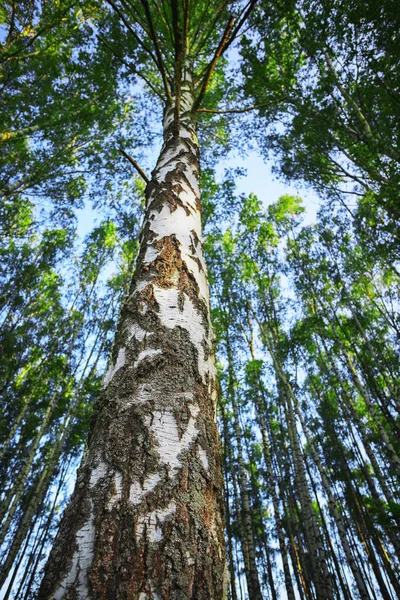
point(195, 237)
point(169, 270)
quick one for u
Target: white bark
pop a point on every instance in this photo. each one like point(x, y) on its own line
point(152, 466)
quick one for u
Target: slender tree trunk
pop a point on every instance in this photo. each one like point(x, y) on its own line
point(30, 569)
point(275, 504)
point(385, 370)
point(242, 534)
point(320, 574)
point(297, 552)
point(286, 495)
point(371, 405)
point(353, 372)
point(229, 533)
point(393, 457)
point(50, 464)
point(365, 537)
point(9, 505)
point(38, 494)
point(332, 505)
point(257, 508)
point(253, 582)
point(351, 415)
point(10, 438)
point(231, 562)
point(262, 422)
point(16, 565)
point(145, 520)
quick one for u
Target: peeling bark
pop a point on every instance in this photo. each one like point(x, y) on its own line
point(145, 520)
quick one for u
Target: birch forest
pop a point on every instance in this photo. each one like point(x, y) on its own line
point(199, 387)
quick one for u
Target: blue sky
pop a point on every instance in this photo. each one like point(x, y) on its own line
point(261, 181)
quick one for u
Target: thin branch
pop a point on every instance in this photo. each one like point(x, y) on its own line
point(186, 25)
point(166, 6)
point(132, 31)
point(8, 135)
point(144, 25)
point(134, 164)
point(200, 76)
point(197, 47)
point(175, 26)
point(200, 22)
point(12, 24)
point(24, 182)
point(153, 36)
point(348, 98)
point(351, 176)
point(245, 15)
point(23, 57)
point(233, 110)
point(178, 58)
point(132, 69)
point(137, 17)
point(163, 15)
point(213, 63)
point(31, 40)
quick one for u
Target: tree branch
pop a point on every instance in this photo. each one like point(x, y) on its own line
point(245, 15)
point(134, 71)
point(186, 25)
point(178, 58)
point(134, 164)
point(137, 17)
point(163, 15)
point(197, 47)
point(132, 31)
point(154, 38)
point(213, 63)
point(31, 40)
point(348, 98)
point(233, 110)
point(9, 135)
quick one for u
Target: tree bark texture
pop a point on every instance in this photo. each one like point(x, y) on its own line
point(145, 520)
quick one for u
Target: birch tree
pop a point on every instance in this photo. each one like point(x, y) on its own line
point(145, 519)
point(309, 396)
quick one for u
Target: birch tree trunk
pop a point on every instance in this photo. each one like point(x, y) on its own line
point(145, 520)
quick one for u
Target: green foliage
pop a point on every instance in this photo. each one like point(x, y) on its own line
point(306, 318)
point(326, 76)
point(311, 365)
